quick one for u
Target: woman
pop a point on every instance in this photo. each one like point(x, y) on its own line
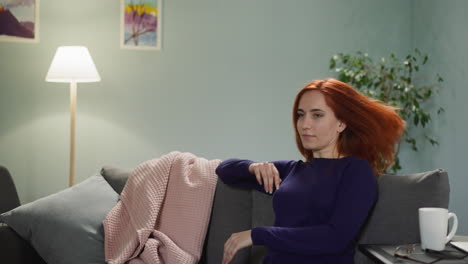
point(321, 204)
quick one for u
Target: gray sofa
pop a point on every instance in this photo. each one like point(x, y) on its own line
point(393, 220)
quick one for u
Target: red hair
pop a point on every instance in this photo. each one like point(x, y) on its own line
point(373, 128)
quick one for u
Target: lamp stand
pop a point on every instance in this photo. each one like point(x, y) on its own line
point(72, 131)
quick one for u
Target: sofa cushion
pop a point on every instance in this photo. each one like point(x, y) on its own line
point(66, 227)
point(394, 219)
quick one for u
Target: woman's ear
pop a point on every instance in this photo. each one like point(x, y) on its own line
point(341, 126)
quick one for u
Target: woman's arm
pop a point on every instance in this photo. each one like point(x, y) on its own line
point(235, 172)
point(356, 195)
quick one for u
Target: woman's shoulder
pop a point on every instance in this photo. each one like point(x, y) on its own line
point(356, 165)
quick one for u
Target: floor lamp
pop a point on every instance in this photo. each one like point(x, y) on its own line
point(72, 64)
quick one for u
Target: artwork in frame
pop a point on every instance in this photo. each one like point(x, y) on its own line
point(140, 24)
point(19, 20)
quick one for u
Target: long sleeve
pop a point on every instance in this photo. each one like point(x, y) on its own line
point(235, 172)
point(355, 195)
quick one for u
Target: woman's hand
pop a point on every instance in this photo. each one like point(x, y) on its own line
point(266, 174)
point(236, 242)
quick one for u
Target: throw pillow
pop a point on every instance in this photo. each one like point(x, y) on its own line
point(66, 227)
point(116, 176)
point(394, 219)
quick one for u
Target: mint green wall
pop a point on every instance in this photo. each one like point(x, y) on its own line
point(222, 86)
point(440, 30)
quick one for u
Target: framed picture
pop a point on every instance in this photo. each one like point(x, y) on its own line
point(19, 20)
point(140, 24)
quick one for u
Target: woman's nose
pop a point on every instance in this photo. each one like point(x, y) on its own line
point(306, 124)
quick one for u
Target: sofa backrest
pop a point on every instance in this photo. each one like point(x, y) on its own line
point(231, 213)
point(393, 220)
point(10, 197)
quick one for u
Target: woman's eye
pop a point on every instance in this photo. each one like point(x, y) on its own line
point(318, 115)
point(299, 114)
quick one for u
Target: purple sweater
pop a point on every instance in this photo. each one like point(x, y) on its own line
point(319, 207)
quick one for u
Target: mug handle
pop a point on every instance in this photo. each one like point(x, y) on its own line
point(454, 226)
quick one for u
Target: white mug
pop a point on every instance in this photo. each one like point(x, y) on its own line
point(433, 224)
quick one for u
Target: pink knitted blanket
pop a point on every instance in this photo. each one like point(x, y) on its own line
point(163, 212)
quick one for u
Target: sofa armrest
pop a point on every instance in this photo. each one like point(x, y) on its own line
point(14, 249)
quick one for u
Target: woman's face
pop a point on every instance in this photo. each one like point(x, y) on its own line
point(317, 125)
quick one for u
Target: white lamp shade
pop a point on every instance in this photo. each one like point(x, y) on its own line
point(72, 64)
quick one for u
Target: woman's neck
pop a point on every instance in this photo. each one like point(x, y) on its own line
point(331, 154)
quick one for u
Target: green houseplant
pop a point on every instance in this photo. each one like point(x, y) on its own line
point(393, 81)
